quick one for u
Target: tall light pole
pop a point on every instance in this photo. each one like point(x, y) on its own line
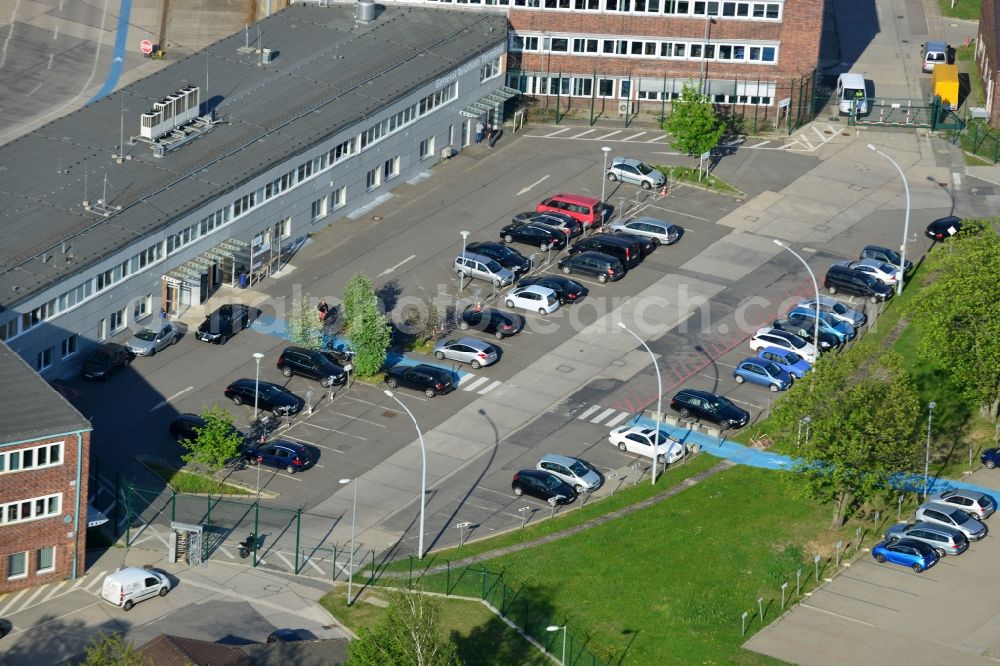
point(423, 471)
point(815, 289)
point(704, 47)
point(553, 627)
point(354, 516)
point(256, 387)
point(906, 217)
point(461, 276)
point(604, 174)
point(927, 451)
point(659, 394)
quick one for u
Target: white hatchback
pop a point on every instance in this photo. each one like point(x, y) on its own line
point(640, 439)
point(535, 298)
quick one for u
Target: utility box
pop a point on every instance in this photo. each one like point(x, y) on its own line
point(945, 85)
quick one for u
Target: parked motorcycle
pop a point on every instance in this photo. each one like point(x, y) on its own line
point(248, 544)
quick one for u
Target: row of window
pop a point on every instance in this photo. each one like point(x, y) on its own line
point(729, 9)
point(646, 48)
point(747, 93)
point(35, 457)
point(222, 217)
point(31, 509)
point(17, 563)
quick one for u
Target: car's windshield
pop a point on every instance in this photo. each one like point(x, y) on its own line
point(852, 93)
point(270, 391)
point(578, 468)
point(791, 358)
point(552, 483)
point(644, 168)
point(494, 266)
point(960, 517)
point(146, 335)
point(839, 308)
point(771, 368)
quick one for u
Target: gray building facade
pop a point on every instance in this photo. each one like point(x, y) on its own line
point(314, 125)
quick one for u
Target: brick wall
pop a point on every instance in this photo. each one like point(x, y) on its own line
point(986, 59)
point(35, 534)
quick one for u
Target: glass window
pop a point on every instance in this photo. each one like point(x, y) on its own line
point(17, 565)
point(45, 559)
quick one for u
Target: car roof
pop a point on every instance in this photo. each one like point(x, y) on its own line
point(960, 492)
point(559, 459)
point(538, 289)
point(472, 342)
point(574, 198)
point(776, 350)
point(939, 506)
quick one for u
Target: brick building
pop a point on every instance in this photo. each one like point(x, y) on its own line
point(44, 451)
point(618, 57)
point(988, 58)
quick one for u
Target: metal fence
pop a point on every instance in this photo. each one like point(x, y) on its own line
point(979, 139)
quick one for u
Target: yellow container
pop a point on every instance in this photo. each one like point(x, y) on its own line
point(945, 84)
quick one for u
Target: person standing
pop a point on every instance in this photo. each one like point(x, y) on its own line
point(479, 131)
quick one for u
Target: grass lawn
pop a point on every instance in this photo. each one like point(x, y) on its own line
point(963, 9)
point(482, 638)
point(572, 517)
point(188, 482)
point(668, 584)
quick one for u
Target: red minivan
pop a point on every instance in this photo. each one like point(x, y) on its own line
point(587, 210)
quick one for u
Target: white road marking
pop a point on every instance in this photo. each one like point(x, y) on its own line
point(14, 600)
point(662, 137)
point(314, 565)
point(635, 136)
point(358, 418)
point(496, 492)
point(601, 138)
point(471, 387)
point(603, 415)
point(490, 388)
point(819, 134)
point(54, 591)
point(318, 446)
point(164, 403)
point(558, 131)
point(843, 617)
point(392, 268)
point(525, 190)
point(288, 562)
point(956, 179)
point(590, 410)
point(363, 439)
point(584, 133)
point(618, 419)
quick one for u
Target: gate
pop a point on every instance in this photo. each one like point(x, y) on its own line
point(932, 115)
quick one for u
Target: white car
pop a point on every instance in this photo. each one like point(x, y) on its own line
point(535, 298)
point(639, 439)
point(883, 272)
point(773, 337)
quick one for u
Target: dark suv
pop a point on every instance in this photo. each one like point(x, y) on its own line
point(311, 363)
point(709, 407)
point(602, 266)
point(490, 320)
point(432, 381)
point(104, 360)
point(626, 249)
point(224, 323)
point(507, 257)
point(289, 456)
point(269, 398)
point(850, 281)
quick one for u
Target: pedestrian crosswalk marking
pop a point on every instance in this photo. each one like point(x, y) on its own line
point(618, 419)
point(472, 386)
point(603, 415)
point(490, 388)
point(591, 410)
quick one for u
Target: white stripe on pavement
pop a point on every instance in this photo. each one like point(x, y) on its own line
point(584, 133)
point(10, 604)
point(558, 131)
point(603, 415)
point(591, 410)
point(54, 590)
point(27, 603)
point(618, 419)
point(635, 136)
point(490, 387)
point(97, 578)
point(600, 138)
point(472, 387)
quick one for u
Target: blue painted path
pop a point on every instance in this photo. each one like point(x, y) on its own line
point(118, 55)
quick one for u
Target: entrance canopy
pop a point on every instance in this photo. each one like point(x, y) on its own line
point(490, 102)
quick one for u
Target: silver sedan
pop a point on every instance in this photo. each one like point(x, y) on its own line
point(147, 342)
point(629, 170)
point(473, 351)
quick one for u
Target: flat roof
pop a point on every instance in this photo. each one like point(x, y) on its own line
point(329, 72)
point(31, 409)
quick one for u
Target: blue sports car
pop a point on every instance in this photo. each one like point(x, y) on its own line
point(908, 552)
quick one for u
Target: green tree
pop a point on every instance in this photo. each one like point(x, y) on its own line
point(408, 635)
point(859, 436)
point(112, 650)
point(214, 443)
point(693, 122)
point(358, 291)
point(370, 335)
point(958, 313)
point(304, 326)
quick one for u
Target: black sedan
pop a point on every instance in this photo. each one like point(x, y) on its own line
point(565, 223)
point(943, 228)
point(105, 360)
point(427, 378)
point(507, 257)
point(536, 235)
point(542, 485)
point(567, 290)
point(225, 322)
point(490, 320)
point(709, 407)
point(803, 329)
point(269, 397)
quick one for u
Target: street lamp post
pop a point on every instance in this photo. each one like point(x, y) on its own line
point(423, 471)
point(927, 450)
point(659, 393)
point(461, 276)
point(256, 387)
point(354, 516)
point(815, 289)
point(604, 174)
point(553, 627)
point(906, 218)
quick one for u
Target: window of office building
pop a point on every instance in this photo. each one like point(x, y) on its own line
point(44, 359)
point(68, 346)
point(318, 208)
point(45, 559)
point(372, 179)
point(390, 168)
point(338, 198)
point(143, 307)
point(426, 148)
point(17, 565)
point(117, 320)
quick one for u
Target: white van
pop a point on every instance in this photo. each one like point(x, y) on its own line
point(127, 586)
point(851, 93)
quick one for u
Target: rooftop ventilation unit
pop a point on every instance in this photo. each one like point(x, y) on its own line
point(365, 11)
point(176, 109)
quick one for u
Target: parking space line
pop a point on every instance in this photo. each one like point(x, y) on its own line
point(30, 599)
point(728, 365)
point(373, 404)
point(497, 492)
point(558, 131)
point(315, 566)
point(584, 133)
point(490, 387)
point(341, 432)
point(843, 617)
point(603, 415)
point(472, 386)
point(17, 597)
point(590, 410)
point(288, 562)
point(318, 446)
point(358, 418)
point(576, 278)
point(601, 138)
point(97, 578)
point(677, 212)
point(618, 419)
point(635, 136)
point(744, 402)
point(656, 139)
point(54, 590)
